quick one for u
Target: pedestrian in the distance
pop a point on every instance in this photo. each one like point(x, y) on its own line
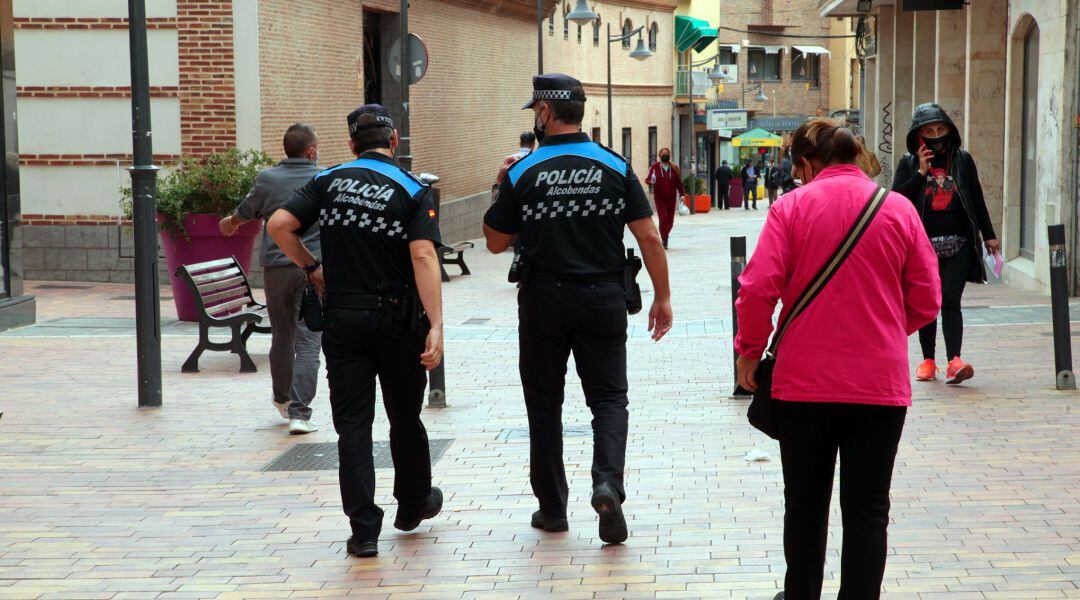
point(723, 183)
point(749, 177)
point(772, 180)
point(383, 315)
point(526, 143)
point(787, 181)
point(940, 178)
point(665, 183)
point(294, 349)
point(861, 317)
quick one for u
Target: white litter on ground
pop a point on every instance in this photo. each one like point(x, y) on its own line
point(755, 455)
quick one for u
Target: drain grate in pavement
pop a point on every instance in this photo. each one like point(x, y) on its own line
point(522, 433)
point(324, 456)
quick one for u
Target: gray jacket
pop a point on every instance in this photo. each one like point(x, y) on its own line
point(273, 187)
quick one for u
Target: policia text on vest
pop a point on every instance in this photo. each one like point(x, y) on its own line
point(382, 315)
point(567, 205)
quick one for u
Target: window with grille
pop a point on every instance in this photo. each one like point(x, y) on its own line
point(627, 27)
point(654, 33)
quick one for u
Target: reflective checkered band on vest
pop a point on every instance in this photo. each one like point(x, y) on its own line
point(350, 217)
point(572, 208)
point(551, 95)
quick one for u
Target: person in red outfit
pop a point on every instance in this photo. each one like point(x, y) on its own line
point(665, 183)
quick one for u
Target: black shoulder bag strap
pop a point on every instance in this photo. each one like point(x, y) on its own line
point(858, 228)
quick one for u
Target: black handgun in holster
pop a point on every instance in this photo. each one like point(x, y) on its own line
point(519, 267)
point(311, 309)
point(630, 286)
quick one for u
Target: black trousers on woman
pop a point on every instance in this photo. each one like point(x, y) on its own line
point(866, 437)
point(954, 273)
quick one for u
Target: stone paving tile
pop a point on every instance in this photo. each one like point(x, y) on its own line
point(100, 499)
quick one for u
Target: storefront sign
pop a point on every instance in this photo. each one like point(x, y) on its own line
point(777, 124)
point(726, 119)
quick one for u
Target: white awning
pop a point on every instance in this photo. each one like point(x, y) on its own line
point(733, 47)
point(813, 50)
point(767, 49)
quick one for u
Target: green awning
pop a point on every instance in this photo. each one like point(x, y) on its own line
point(757, 138)
point(692, 33)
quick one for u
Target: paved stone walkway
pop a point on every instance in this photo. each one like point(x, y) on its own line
point(99, 499)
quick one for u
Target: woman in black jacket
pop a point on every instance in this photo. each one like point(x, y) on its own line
point(941, 180)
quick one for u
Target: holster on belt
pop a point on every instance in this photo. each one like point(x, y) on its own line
point(311, 309)
point(630, 286)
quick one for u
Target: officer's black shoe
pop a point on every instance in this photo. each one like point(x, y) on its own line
point(431, 508)
point(362, 548)
point(779, 596)
point(606, 503)
point(550, 524)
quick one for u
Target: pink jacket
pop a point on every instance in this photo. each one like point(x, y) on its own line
point(850, 344)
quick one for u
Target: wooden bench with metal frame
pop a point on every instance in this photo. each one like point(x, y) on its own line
point(223, 293)
point(458, 258)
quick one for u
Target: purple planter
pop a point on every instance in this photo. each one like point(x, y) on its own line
point(204, 243)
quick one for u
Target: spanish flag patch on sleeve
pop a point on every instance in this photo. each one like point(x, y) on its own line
point(431, 213)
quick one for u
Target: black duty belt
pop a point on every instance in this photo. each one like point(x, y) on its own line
point(594, 278)
point(357, 301)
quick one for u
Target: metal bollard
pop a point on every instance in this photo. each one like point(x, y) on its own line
point(738, 263)
point(1059, 300)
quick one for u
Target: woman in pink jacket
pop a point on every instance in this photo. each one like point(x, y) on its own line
point(841, 377)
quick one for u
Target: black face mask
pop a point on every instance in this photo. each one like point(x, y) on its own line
point(939, 145)
point(665, 158)
point(538, 130)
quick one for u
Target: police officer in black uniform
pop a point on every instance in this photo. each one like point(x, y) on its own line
point(383, 315)
point(567, 203)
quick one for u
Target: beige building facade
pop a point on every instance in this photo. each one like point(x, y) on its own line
point(1007, 73)
point(236, 73)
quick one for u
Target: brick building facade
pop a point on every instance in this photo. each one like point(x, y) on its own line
point(232, 73)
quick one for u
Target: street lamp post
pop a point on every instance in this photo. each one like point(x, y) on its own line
point(539, 37)
point(404, 150)
point(639, 53)
point(144, 207)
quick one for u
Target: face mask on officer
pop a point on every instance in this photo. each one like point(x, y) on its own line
point(539, 126)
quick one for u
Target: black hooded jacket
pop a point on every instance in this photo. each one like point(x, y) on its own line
point(962, 169)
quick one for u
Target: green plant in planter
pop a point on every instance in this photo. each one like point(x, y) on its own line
point(212, 184)
point(695, 183)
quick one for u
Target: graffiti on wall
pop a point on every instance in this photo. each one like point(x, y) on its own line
point(885, 147)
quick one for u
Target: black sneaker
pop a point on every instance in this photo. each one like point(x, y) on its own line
point(540, 521)
point(431, 508)
point(362, 548)
point(605, 501)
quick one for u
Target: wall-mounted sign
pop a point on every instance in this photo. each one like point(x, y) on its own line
point(726, 119)
point(731, 73)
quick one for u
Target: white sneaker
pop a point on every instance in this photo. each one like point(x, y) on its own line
point(282, 408)
point(302, 426)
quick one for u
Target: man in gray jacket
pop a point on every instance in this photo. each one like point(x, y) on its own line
point(294, 349)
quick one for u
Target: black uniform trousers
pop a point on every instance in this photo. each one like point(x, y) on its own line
point(357, 351)
point(866, 437)
point(588, 319)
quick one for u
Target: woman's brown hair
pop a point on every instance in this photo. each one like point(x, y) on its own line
point(825, 141)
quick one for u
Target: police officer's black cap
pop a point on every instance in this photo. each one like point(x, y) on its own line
point(556, 86)
point(369, 116)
